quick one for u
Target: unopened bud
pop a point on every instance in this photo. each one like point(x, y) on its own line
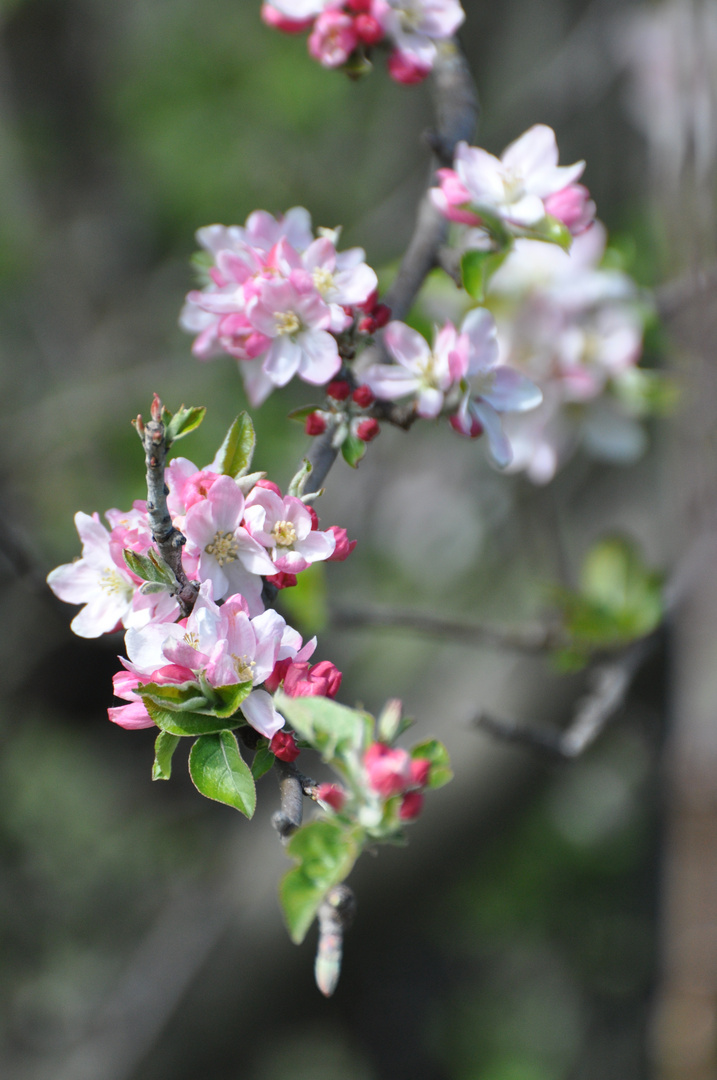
point(314, 424)
point(156, 409)
point(363, 396)
point(338, 389)
point(368, 429)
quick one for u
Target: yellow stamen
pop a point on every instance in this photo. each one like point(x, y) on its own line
point(284, 534)
point(287, 322)
point(223, 547)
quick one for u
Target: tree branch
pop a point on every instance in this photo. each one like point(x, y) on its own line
point(168, 539)
point(609, 684)
point(293, 786)
point(530, 638)
point(335, 915)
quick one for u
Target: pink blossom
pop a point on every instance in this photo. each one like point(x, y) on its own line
point(227, 555)
point(414, 26)
point(513, 187)
point(333, 38)
point(292, 314)
point(284, 527)
point(406, 69)
point(388, 769)
point(273, 17)
point(411, 806)
point(453, 197)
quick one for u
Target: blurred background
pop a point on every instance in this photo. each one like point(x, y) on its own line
point(546, 922)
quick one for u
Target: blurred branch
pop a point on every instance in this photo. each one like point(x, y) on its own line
point(609, 684)
point(293, 786)
point(335, 915)
point(530, 638)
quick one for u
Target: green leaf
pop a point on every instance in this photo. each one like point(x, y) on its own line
point(263, 761)
point(646, 392)
point(326, 852)
point(615, 578)
point(218, 771)
point(164, 747)
point(234, 455)
point(187, 723)
point(231, 697)
point(180, 697)
point(353, 449)
point(332, 729)
point(298, 481)
point(552, 231)
point(149, 567)
point(478, 267)
point(304, 411)
point(183, 422)
point(441, 772)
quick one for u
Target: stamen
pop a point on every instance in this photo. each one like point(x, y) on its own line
point(287, 322)
point(284, 533)
point(244, 667)
point(223, 547)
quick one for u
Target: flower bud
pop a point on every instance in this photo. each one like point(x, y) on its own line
point(404, 69)
point(270, 486)
point(338, 389)
point(367, 325)
point(420, 771)
point(411, 806)
point(315, 424)
point(283, 746)
point(344, 546)
point(387, 769)
point(382, 314)
point(368, 429)
point(282, 580)
point(331, 794)
point(368, 29)
point(363, 396)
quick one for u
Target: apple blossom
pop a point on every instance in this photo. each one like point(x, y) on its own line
point(514, 187)
point(284, 527)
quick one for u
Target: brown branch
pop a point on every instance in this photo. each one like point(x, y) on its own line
point(169, 540)
point(609, 684)
point(335, 915)
point(530, 638)
point(293, 786)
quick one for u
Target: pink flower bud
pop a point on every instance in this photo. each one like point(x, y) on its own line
point(368, 429)
point(344, 546)
point(411, 806)
point(283, 746)
point(338, 389)
point(573, 206)
point(388, 770)
point(321, 680)
point(420, 770)
point(282, 580)
point(367, 325)
point(368, 29)
point(333, 795)
point(357, 6)
point(363, 396)
point(333, 38)
point(274, 18)
point(370, 303)
point(315, 424)
point(270, 486)
point(404, 69)
point(476, 427)
point(451, 198)
point(276, 678)
point(382, 314)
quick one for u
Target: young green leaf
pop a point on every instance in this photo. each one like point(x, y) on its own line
point(164, 747)
point(303, 412)
point(182, 697)
point(298, 481)
point(353, 449)
point(234, 455)
point(326, 852)
point(187, 723)
point(183, 422)
point(263, 761)
point(231, 697)
point(149, 567)
point(332, 729)
point(219, 772)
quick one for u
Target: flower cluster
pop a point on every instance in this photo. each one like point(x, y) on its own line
point(234, 544)
point(277, 299)
point(459, 375)
point(343, 33)
point(522, 193)
point(576, 330)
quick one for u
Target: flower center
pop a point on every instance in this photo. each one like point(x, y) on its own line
point(287, 322)
point(323, 279)
point(223, 547)
point(284, 534)
point(410, 16)
point(244, 668)
point(113, 582)
point(191, 639)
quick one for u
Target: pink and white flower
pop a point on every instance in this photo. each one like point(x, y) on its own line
point(284, 527)
point(515, 187)
point(227, 555)
point(414, 26)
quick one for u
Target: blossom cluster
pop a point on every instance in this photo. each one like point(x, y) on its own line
point(278, 299)
point(234, 544)
point(575, 328)
point(343, 33)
